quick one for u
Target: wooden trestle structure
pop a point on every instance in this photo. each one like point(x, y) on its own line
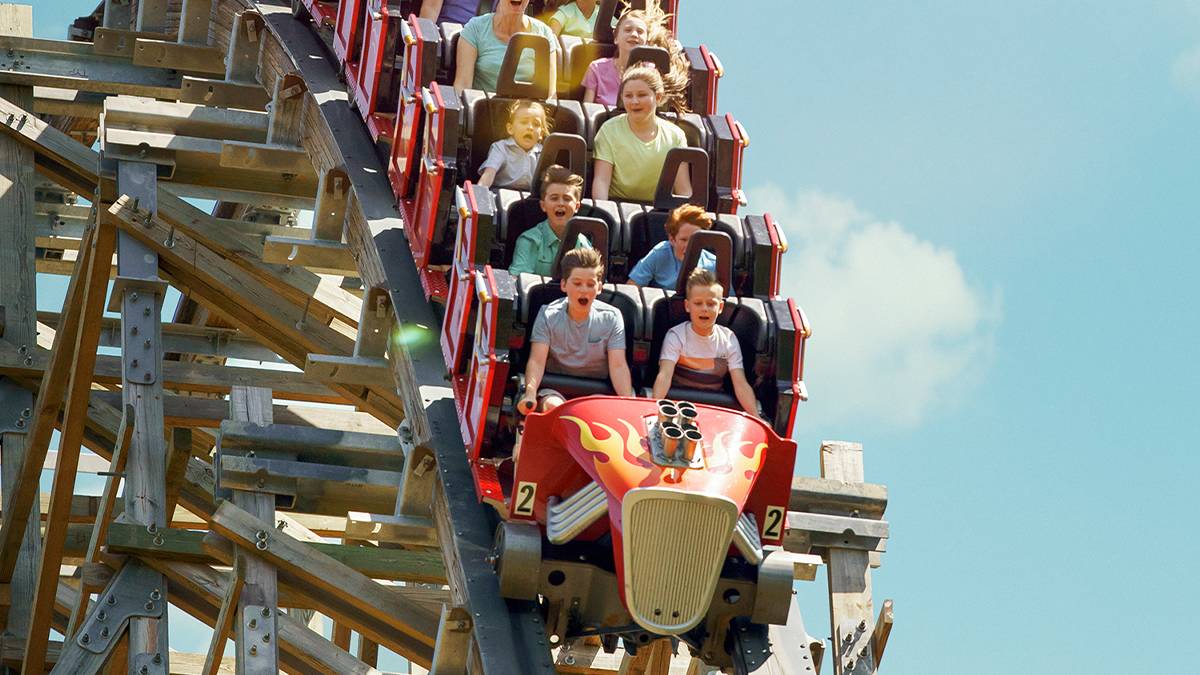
point(235, 483)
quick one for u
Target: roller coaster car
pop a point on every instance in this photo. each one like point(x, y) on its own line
point(375, 88)
point(321, 12)
point(489, 314)
point(436, 47)
point(628, 525)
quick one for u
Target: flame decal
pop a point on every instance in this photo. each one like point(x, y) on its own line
point(603, 451)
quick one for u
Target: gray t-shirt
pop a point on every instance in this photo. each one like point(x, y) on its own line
point(579, 348)
point(514, 166)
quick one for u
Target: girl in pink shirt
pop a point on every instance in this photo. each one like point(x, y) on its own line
point(603, 79)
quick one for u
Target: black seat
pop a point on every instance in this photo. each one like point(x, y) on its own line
point(746, 317)
point(534, 292)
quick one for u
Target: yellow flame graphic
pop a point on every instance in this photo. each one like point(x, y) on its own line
point(618, 466)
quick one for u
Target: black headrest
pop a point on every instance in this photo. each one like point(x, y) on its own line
point(657, 56)
point(540, 88)
point(569, 150)
point(594, 229)
point(697, 161)
point(721, 246)
point(606, 20)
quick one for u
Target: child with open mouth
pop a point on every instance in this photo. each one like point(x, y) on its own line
point(538, 246)
point(512, 161)
point(699, 353)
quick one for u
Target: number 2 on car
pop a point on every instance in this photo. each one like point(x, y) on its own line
point(524, 499)
point(773, 522)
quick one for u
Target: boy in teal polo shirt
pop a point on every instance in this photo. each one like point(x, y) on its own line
point(537, 247)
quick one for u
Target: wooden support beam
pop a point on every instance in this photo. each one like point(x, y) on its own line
point(392, 564)
point(325, 257)
point(181, 338)
point(120, 41)
point(256, 310)
point(260, 596)
point(223, 93)
point(18, 294)
point(104, 511)
point(241, 60)
point(145, 477)
point(329, 214)
point(177, 375)
point(194, 18)
point(75, 65)
point(189, 58)
point(75, 412)
point(287, 103)
point(224, 624)
point(19, 500)
point(849, 570)
point(409, 630)
point(118, 13)
point(152, 15)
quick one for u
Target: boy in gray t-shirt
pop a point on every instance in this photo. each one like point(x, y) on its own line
point(576, 335)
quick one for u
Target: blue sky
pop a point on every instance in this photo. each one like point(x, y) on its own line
point(993, 214)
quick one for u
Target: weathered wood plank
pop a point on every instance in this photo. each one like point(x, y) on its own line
point(849, 572)
point(411, 629)
point(18, 297)
point(260, 592)
point(75, 412)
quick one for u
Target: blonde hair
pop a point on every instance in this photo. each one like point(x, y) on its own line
point(705, 279)
point(525, 104)
point(687, 214)
point(658, 34)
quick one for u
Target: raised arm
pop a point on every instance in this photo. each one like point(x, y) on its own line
point(430, 9)
point(464, 72)
point(742, 390)
point(683, 181)
point(666, 373)
point(618, 372)
point(535, 368)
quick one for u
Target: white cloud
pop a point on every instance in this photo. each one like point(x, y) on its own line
point(1185, 72)
point(897, 330)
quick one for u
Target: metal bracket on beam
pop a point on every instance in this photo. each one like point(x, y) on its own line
point(140, 319)
point(149, 664)
point(137, 590)
point(15, 398)
point(261, 639)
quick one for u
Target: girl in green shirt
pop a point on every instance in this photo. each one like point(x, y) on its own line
point(632, 148)
point(577, 18)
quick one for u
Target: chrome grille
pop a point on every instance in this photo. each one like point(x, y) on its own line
point(674, 546)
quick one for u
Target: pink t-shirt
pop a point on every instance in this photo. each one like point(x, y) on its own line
point(602, 77)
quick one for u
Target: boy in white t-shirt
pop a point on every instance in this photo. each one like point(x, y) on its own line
point(699, 353)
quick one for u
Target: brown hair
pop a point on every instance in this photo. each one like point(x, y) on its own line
point(658, 34)
point(582, 258)
point(687, 214)
point(703, 278)
point(648, 74)
point(525, 104)
point(557, 173)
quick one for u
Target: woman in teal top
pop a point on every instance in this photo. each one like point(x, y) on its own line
point(484, 40)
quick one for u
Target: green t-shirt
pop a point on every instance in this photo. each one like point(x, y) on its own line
point(636, 164)
point(490, 57)
point(536, 249)
point(573, 21)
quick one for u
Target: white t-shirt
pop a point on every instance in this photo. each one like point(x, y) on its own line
point(701, 362)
